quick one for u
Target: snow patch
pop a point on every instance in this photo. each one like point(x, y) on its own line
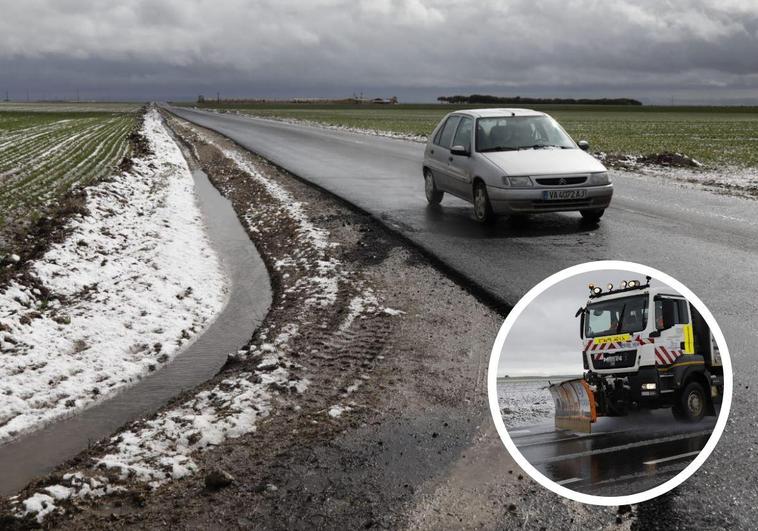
point(337, 411)
point(128, 289)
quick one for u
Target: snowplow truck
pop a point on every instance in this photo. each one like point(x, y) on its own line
point(643, 347)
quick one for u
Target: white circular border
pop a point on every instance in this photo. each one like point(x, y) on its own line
point(498, 347)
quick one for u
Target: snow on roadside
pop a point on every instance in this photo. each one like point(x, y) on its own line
point(164, 448)
point(524, 401)
point(132, 284)
point(732, 180)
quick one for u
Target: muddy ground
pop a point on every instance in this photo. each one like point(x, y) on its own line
point(417, 447)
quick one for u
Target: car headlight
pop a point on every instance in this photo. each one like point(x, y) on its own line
point(648, 386)
point(517, 182)
point(599, 179)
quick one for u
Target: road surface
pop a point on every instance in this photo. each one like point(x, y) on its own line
point(708, 241)
point(621, 456)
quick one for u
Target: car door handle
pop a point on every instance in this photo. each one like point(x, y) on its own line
point(450, 159)
point(431, 151)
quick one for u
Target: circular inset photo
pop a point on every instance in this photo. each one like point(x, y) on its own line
point(610, 383)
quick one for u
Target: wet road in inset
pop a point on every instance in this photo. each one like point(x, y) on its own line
point(622, 456)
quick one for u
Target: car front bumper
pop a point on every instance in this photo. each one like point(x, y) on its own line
point(530, 200)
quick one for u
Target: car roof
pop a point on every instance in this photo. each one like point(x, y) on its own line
point(494, 112)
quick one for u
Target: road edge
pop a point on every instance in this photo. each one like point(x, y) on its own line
point(481, 293)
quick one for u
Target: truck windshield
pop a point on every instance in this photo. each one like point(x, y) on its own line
point(617, 316)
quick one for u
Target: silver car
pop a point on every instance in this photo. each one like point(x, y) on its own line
point(513, 161)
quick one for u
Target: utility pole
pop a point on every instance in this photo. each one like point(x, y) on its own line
point(218, 97)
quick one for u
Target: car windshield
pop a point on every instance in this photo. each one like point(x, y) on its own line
point(510, 133)
point(617, 316)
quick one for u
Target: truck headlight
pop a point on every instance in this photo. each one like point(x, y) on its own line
point(522, 181)
point(599, 178)
point(649, 386)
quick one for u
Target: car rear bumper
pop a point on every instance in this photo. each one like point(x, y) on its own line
point(530, 200)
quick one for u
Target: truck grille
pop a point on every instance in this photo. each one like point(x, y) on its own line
point(560, 181)
point(614, 360)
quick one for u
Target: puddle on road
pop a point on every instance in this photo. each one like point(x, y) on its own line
point(39, 452)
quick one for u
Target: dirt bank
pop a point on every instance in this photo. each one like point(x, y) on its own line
point(364, 395)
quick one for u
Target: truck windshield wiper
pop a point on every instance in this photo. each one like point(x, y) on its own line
point(621, 319)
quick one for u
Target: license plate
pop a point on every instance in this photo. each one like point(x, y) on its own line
point(552, 195)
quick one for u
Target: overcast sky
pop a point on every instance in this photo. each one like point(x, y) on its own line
point(689, 50)
point(544, 341)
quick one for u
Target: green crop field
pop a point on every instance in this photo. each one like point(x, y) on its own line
point(45, 150)
point(716, 136)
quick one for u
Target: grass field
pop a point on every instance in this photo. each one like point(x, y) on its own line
point(716, 136)
point(45, 150)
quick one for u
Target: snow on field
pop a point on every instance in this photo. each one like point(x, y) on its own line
point(524, 401)
point(134, 282)
point(163, 448)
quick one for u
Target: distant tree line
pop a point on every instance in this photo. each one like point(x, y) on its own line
point(486, 98)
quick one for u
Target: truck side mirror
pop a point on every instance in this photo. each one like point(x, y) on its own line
point(584, 145)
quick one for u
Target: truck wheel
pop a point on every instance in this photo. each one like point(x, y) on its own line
point(592, 216)
point(691, 403)
point(433, 195)
point(482, 206)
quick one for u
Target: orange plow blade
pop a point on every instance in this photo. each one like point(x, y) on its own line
point(574, 405)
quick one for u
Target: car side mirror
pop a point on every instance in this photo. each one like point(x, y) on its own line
point(584, 145)
point(460, 150)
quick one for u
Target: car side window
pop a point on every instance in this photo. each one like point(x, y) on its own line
point(446, 136)
point(463, 134)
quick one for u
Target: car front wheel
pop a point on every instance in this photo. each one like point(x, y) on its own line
point(433, 195)
point(482, 206)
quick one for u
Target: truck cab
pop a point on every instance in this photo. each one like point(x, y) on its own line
point(647, 347)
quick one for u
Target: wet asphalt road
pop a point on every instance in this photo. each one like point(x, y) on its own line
point(621, 456)
point(707, 241)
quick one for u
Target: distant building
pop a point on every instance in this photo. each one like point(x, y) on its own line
point(383, 101)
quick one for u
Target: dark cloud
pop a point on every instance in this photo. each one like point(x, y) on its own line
point(417, 49)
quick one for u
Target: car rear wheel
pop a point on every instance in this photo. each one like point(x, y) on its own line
point(592, 216)
point(691, 403)
point(482, 206)
point(433, 195)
